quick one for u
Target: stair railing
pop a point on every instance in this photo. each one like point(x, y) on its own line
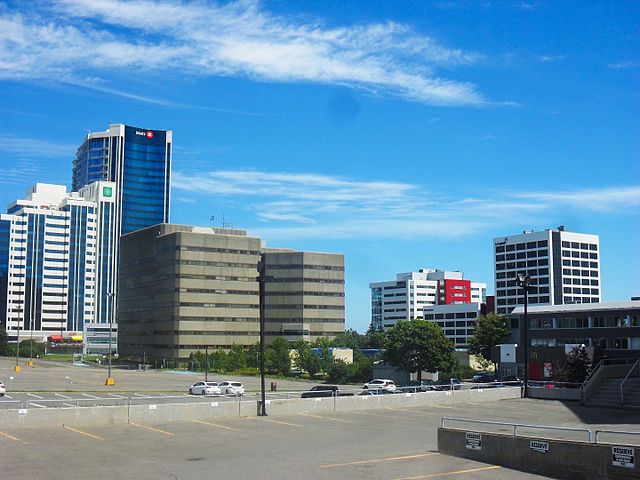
point(625, 379)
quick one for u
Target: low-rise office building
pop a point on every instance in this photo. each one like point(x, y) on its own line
point(185, 288)
point(608, 329)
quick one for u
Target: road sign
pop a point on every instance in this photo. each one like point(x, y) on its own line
point(539, 446)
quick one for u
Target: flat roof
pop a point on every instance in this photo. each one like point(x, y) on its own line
point(578, 307)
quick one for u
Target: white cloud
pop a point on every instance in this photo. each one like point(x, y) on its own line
point(75, 38)
point(624, 65)
point(295, 205)
point(551, 58)
point(34, 147)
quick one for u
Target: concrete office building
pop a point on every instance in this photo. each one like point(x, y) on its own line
point(53, 278)
point(407, 296)
point(184, 288)
point(458, 322)
point(305, 294)
point(564, 268)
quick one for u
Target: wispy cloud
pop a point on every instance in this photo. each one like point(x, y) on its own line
point(34, 147)
point(295, 205)
point(551, 58)
point(624, 65)
point(73, 39)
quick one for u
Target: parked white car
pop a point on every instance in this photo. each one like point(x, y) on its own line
point(205, 388)
point(380, 384)
point(231, 388)
point(2, 389)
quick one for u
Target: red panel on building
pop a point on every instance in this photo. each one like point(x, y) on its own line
point(457, 291)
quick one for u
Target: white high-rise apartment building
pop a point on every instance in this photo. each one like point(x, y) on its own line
point(56, 265)
point(564, 268)
point(407, 296)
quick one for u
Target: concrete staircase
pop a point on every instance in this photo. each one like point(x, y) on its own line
point(607, 393)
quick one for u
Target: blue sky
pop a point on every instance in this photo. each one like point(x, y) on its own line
point(402, 134)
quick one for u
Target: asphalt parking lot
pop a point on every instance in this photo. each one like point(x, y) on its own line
point(59, 377)
point(374, 445)
point(381, 444)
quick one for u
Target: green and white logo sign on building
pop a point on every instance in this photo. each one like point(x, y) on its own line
point(107, 191)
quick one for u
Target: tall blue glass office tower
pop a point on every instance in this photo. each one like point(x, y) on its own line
point(139, 162)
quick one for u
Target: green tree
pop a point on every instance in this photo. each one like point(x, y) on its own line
point(3, 341)
point(573, 367)
point(374, 338)
point(490, 330)
point(219, 360)
point(306, 359)
point(418, 345)
point(326, 357)
point(253, 355)
point(277, 356)
point(237, 357)
point(349, 339)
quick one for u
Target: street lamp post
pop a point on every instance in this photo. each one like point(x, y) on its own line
point(524, 281)
point(17, 367)
point(111, 296)
point(30, 362)
point(206, 363)
point(262, 279)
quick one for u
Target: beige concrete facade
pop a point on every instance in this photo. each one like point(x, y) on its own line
point(184, 288)
point(304, 294)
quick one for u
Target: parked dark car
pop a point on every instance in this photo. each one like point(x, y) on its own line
point(511, 381)
point(415, 386)
point(325, 391)
point(484, 377)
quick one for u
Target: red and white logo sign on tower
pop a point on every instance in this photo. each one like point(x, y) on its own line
point(149, 134)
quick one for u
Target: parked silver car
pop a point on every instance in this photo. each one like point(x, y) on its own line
point(380, 384)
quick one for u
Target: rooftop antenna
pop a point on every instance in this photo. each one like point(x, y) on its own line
point(226, 224)
point(212, 219)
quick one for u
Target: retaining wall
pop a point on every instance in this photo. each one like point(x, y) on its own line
point(211, 409)
point(563, 459)
point(554, 393)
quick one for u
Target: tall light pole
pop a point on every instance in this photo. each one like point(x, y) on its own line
point(30, 362)
point(262, 279)
point(111, 296)
point(17, 367)
point(524, 281)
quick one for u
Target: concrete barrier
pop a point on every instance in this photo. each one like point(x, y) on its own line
point(211, 409)
point(554, 393)
point(554, 458)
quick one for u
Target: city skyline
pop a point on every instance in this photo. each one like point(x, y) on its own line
point(400, 137)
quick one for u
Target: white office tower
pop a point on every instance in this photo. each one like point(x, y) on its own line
point(55, 249)
point(406, 297)
point(564, 268)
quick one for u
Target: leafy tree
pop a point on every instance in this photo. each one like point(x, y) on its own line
point(36, 351)
point(574, 367)
point(374, 338)
point(277, 356)
point(253, 355)
point(418, 345)
point(219, 360)
point(306, 359)
point(490, 330)
point(326, 357)
point(3, 340)
point(237, 357)
point(349, 339)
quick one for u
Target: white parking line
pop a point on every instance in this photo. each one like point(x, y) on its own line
point(7, 396)
point(69, 405)
point(36, 405)
point(116, 396)
point(35, 396)
point(63, 396)
point(89, 395)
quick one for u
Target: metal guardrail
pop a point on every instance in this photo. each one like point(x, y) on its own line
point(615, 432)
point(515, 426)
point(625, 379)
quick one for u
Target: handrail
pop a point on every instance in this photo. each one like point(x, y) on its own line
point(516, 425)
point(618, 432)
point(625, 379)
point(591, 373)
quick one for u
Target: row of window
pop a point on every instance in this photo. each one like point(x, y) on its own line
point(574, 254)
point(305, 266)
point(512, 265)
point(214, 249)
point(521, 246)
point(583, 246)
point(522, 255)
point(438, 316)
point(579, 263)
